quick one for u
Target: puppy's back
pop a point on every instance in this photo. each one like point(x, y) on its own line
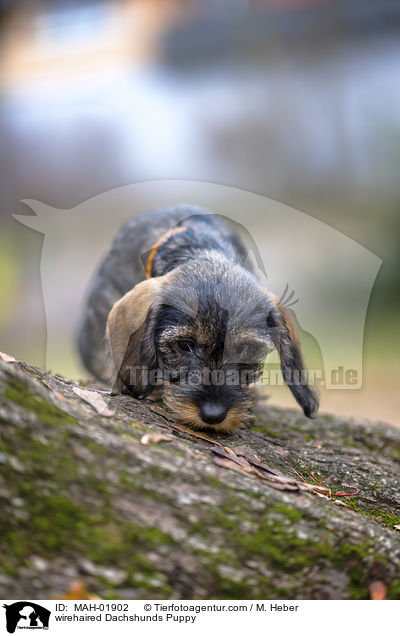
point(122, 268)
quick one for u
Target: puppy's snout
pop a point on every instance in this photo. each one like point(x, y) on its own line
point(213, 412)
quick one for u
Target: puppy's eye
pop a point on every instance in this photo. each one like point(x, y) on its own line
point(186, 346)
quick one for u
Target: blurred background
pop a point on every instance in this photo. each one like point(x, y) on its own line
point(297, 100)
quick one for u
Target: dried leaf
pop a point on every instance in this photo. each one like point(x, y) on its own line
point(227, 458)
point(188, 431)
point(78, 591)
point(227, 463)
point(95, 400)
point(256, 462)
point(6, 358)
point(154, 438)
point(231, 452)
point(56, 395)
point(232, 457)
point(162, 412)
point(285, 486)
point(377, 590)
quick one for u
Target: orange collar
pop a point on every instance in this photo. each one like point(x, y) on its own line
point(161, 240)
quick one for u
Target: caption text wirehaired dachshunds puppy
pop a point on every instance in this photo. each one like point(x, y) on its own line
point(175, 303)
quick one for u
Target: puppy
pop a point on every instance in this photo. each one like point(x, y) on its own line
point(175, 304)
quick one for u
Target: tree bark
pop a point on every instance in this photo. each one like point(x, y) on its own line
point(86, 501)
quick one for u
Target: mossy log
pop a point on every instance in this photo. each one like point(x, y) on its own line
point(84, 499)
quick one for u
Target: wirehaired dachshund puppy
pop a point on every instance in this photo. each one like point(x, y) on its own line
point(175, 304)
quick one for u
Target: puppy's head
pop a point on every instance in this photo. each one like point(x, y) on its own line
point(204, 331)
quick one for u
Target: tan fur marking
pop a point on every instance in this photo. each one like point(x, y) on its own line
point(128, 316)
point(188, 413)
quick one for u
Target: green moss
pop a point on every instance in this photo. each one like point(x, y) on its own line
point(291, 513)
point(97, 450)
point(18, 393)
point(53, 523)
point(59, 526)
point(137, 483)
point(384, 518)
point(266, 431)
point(151, 585)
point(59, 523)
point(214, 482)
point(228, 589)
point(271, 539)
point(394, 590)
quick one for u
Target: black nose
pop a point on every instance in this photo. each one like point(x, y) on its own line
point(212, 413)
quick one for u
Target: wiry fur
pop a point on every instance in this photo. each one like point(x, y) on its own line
point(201, 297)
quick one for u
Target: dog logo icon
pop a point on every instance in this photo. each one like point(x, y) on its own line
point(26, 615)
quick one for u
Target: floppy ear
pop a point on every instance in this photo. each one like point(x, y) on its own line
point(130, 338)
point(285, 339)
